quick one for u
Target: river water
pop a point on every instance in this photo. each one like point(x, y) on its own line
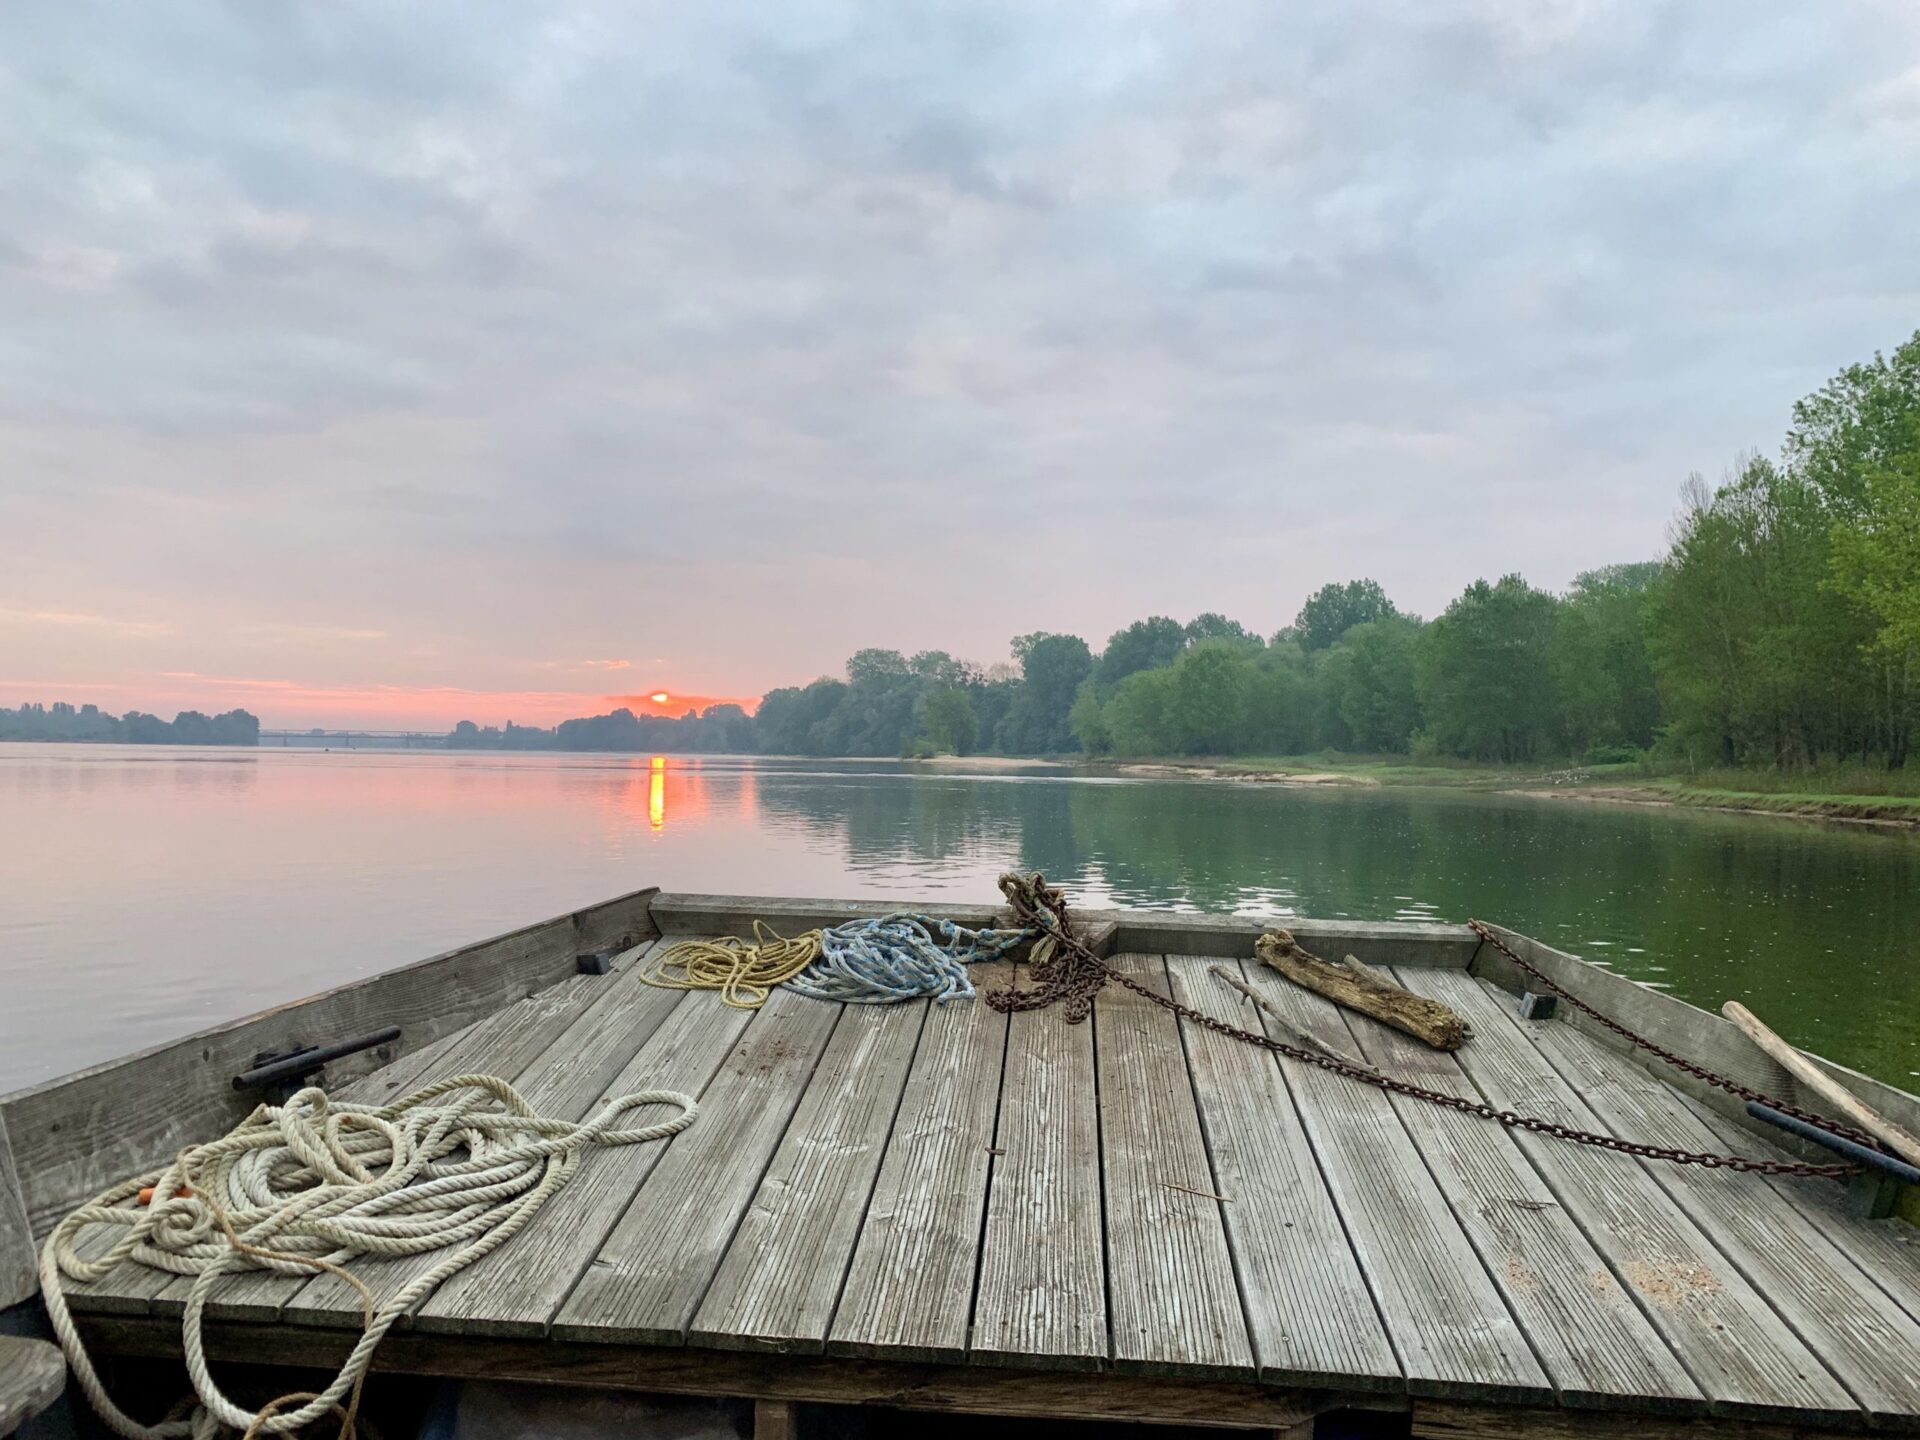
point(146, 892)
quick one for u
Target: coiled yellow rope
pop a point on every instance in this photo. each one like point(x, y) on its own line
point(745, 972)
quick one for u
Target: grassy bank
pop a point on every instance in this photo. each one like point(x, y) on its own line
point(1840, 792)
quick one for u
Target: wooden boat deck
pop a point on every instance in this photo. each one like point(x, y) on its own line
point(1031, 1201)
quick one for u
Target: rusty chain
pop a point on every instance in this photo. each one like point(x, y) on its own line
point(1699, 1072)
point(1070, 975)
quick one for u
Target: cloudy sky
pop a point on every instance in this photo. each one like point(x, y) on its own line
point(386, 364)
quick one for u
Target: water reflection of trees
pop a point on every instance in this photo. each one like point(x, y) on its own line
point(1818, 929)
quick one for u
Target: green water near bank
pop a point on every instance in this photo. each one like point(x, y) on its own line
point(145, 895)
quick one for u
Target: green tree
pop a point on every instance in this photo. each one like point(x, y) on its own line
point(1368, 679)
point(1216, 627)
point(1148, 644)
point(1602, 670)
point(947, 720)
point(1051, 669)
point(1758, 658)
point(1088, 720)
point(1208, 700)
point(1332, 610)
point(1484, 674)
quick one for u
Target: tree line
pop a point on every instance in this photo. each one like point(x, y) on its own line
point(61, 721)
point(1781, 628)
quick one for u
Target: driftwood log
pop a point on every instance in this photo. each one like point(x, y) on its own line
point(1371, 995)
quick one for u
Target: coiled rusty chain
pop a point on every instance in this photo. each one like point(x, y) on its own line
point(1071, 975)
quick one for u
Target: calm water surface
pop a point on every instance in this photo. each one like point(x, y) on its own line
point(146, 892)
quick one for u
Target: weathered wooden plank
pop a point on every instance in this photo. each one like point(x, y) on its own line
point(1374, 942)
point(1743, 1357)
point(1598, 1349)
point(909, 1289)
point(1452, 1331)
point(1443, 1420)
point(32, 1375)
point(133, 1289)
point(693, 1370)
point(75, 1136)
point(1855, 1329)
point(1042, 1297)
point(518, 1289)
point(780, 1280)
point(1170, 1282)
point(1887, 1250)
point(1709, 1040)
point(1310, 1316)
point(19, 1257)
point(503, 1043)
point(735, 914)
point(565, 1082)
point(655, 1266)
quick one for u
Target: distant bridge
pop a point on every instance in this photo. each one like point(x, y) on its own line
point(348, 739)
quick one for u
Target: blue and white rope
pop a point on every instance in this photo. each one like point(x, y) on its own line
point(897, 957)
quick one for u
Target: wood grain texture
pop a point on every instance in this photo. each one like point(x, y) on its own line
point(1042, 1296)
point(32, 1375)
point(1856, 1330)
point(255, 1295)
point(565, 1081)
point(505, 1043)
point(1175, 1302)
point(519, 1288)
point(654, 1268)
point(909, 1289)
point(1356, 987)
point(1310, 1316)
point(75, 1136)
point(19, 1256)
point(1744, 1358)
point(1596, 1345)
point(780, 1281)
point(1450, 1328)
point(1888, 1251)
point(682, 1370)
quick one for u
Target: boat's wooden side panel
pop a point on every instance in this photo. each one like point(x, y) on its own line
point(1176, 1303)
point(1309, 1313)
point(1377, 942)
point(73, 1137)
point(17, 1258)
point(1709, 1040)
point(1745, 1358)
point(1374, 942)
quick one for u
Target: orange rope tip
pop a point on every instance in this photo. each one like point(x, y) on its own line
point(146, 1194)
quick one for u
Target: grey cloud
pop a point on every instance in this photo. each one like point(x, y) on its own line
point(511, 319)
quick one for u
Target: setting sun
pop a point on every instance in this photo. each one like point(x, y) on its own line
point(659, 697)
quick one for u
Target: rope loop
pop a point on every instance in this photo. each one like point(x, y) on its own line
point(311, 1185)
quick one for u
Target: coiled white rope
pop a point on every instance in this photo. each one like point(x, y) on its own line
point(310, 1185)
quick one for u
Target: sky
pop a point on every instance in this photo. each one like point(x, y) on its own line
point(385, 365)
